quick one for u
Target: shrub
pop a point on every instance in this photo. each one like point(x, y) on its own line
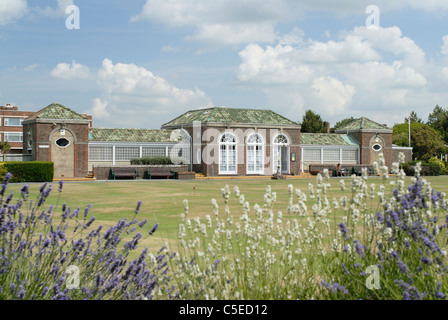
point(57, 253)
point(427, 168)
point(160, 160)
point(30, 171)
point(440, 164)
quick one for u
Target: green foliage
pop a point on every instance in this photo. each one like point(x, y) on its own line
point(428, 168)
point(343, 123)
point(161, 160)
point(3, 172)
point(440, 164)
point(438, 119)
point(425, 140)
point(312, 123)
point(5, 147)
point(414, 118)
point(30, 171)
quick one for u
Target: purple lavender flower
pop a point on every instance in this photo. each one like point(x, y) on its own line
point(439, 294)
point(9, 198)
point(131, 245)
point(403, 267)
point(344, 230)
point(334, 288)
point(154, 228)
point(345, 268)
point(137, 209)
point(87, 209)
point(394, 254)
point(217, 261)
point(379, 217)
point(21, 293)
point(61, 184)
point(91, 220)
point(359, 249)
point(142, 223)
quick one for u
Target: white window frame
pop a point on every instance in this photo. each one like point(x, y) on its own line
point(275, 151)
point(6, 122)
point(19, 133)
point(227, 144)
point(255, 141)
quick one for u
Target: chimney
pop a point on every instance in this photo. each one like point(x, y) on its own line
point(328, 127)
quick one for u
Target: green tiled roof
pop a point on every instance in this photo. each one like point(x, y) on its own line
point(129, 135)
point(324, 139)
point(57, 111)
point(362, 123)
point(230, 115)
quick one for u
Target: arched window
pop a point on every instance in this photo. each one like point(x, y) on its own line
point(281, 139)
point(227, 154)
point(281, 153)
point(255, 158)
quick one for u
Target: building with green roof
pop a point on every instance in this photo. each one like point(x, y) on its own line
point(240, 141)
point(218, 141)
point(223, 116)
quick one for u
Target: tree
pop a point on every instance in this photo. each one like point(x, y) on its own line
point(4, 148)
point(438, 119)
point(414, 118)
point(312, 123)
point(425, 140)
point(343, 123)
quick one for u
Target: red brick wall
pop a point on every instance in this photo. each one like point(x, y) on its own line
point(207, 149)
point(41, 133)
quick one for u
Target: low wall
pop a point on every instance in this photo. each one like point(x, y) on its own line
point(102, 172)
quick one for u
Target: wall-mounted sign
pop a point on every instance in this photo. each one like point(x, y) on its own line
point(44, 146)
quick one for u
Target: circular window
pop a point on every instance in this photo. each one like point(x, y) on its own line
point(62, 142)
point(30, 143)
point(377, 147)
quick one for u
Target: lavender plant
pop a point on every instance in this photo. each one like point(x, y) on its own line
point(46, 254)
point(405, 239)
point(327, 250)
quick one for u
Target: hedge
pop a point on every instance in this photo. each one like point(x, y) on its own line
point(161, 160)
point(428, 169)
point(28, 171)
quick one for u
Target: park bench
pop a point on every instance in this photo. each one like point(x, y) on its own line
point(159, 172)
point(125, 172)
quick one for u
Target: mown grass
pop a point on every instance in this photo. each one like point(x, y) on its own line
point(163, 199)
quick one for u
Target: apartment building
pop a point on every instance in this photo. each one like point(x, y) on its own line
point(11, 128)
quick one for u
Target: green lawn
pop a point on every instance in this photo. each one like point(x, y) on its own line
point(163, 200)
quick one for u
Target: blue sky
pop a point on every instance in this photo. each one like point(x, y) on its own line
point(138, 64)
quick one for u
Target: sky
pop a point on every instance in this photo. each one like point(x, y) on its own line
point(141, 63)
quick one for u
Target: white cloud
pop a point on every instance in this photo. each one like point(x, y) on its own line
point(135, 93)
point(12, 10)
point(220, 21)
point(236, 33)
point(169, 48)
point(30, 67)
point(99, 109)
point(70, 72)
point(234, 22)
point(367, 71)
point(344, 7)
point(444, 48)
point(332, 94)
point(57, 11)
